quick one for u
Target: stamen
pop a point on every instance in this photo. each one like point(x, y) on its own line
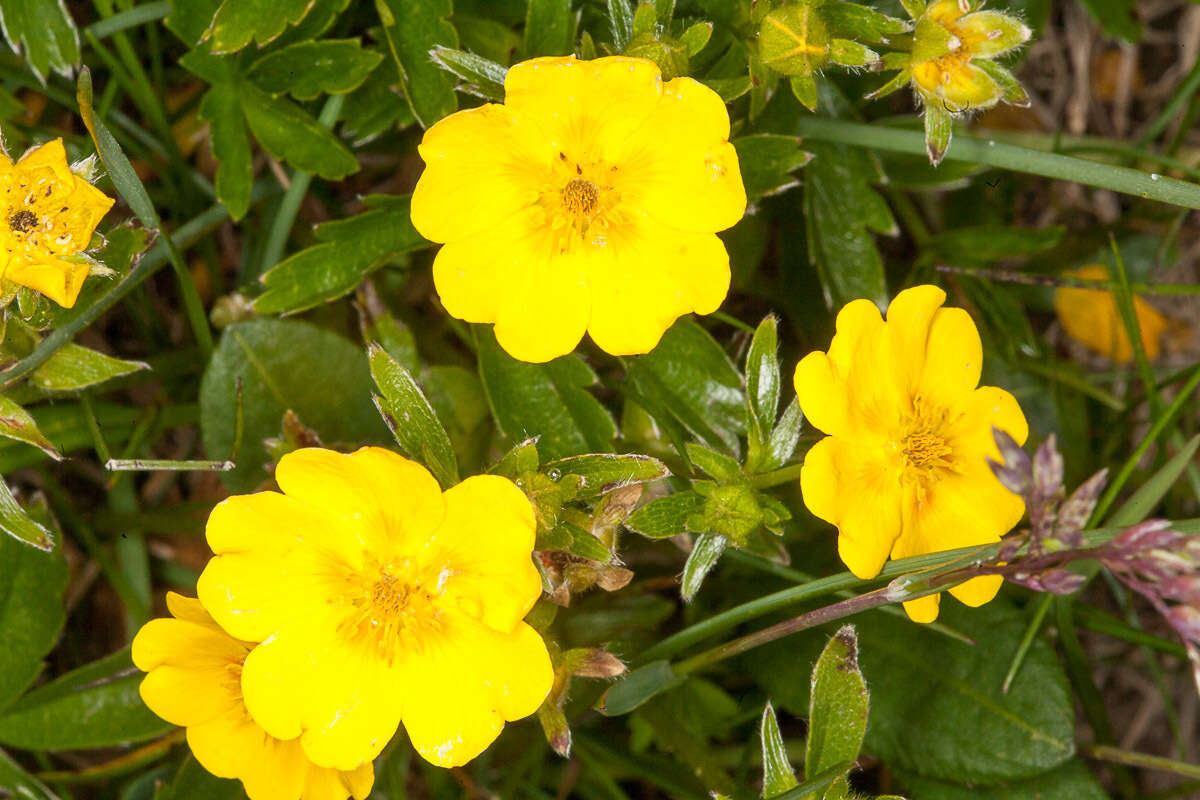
point(580, 197)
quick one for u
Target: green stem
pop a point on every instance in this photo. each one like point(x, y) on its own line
point(289, 206)
point(777, 477)
point(1115, 755)
point(1006, 156)
point(1035, 625)
point(138, 15)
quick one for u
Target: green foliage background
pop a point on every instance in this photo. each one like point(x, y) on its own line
point(264, 150)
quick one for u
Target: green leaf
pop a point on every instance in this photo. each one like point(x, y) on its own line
point(308, 69)
point(548, 28)
point(837, 719)
point(638, 686)
point(666, 516)
point(763, 382)
point(620, 22)
point(767, 160)
point(21, 783)
point(976, 244)
point(549, 401)
point(696, 37)
point(688, 383)
point(1071, 781)
point(237, 22)
point(348, 250)
point(15, 423)
point(73, 367)
point(719, 466)
point(706, 551)
point(603, 472)
point(1138, 507)
point(31, 610)
point(190, 19)
point(289, 133)
point(782, 444)
point(43, 32)
point(778, 775)
point(939, 127)
point(482, 77)
point(937, 708)
point(222, 109)
point(585, 545)
point(284, 364)
point(413, 28)
point(411, 419)
point(94, 706)
point(860, 22)
point(194, 782)
point(840, 207)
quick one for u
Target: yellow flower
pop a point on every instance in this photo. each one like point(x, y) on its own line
point(194, 670)
point(589, 200)
point(1090, 317)
point(50, 214)
point(378, 598)
point(903, 471)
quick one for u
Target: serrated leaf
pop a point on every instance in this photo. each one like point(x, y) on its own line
point(688, 384)
point(306, 70)
point(638, 686)
point(549, 400)
point(94, 706)
point(73, 367)
point(839, 207)
point(348, 250)
point(238, 22)
point(31, 609)
point(222, 109)
point(837, 719)
point(481, 77)
point(44, 33)
point(284, 364)
point(706, 551)
point(411, 419)
point(413, 28)
point(778, 775)
point(603, 472)
point(290, 133)
point(666, 516)
point(548, 27)
point(767, 161)
point(15, 423)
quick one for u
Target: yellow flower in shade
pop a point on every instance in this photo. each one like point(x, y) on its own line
point(194, 680)
point(50, 214)
point(588, 201)
point(903, 471)
point(379, 599)
point(1091, 317)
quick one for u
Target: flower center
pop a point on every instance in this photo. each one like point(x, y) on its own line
point(580, 197)
point(925, 450)
point(389, 605)
point(22, 221)
point(923, 444)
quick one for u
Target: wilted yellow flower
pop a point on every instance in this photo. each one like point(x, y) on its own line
point(379, 598)
point(50, 214)
point(962, 38)
point(194, 680)
point(1091, 317)
point(589, 200)
point(904, 469)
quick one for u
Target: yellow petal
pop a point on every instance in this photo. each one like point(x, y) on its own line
point(486, 546)
point(819, 482)
point(544, 309)
point(953, 359)
point(340, 681)
point(188, 608)
point(359, 781)
point(923, 609)
point(868, 506)
point(482, 166)
point(682, 170)
point(649, 278)
point(189, 680)
point(822, 394)
point(473, 678)
point(1091, 317)
point(589, 110)
point(970, 434)
point(268, 769)
point(978, 591)
point(392, 498)
point(52, 154)
point(968, 87)
point(909, 317)
point(59, 280)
